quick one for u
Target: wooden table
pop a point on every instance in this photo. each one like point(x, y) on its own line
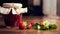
point(30, 31)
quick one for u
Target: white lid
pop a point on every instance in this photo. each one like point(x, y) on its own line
point(12, 5)
point(16, 8)
point(19, 11)
point(14, 11)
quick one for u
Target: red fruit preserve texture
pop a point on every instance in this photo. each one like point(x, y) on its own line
point(12, 20)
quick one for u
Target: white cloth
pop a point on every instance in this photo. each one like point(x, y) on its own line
point(14, 11)
point(16, 8)
point(4, 10)
point(12, 5)
point(19, 10)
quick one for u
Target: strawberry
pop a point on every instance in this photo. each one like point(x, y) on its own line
point(22, 25)
point(32, 23)
point(29, 26)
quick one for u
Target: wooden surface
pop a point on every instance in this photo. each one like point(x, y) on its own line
point(32, 31)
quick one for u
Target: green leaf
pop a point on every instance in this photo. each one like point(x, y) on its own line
point(52, 26)
point(36, 26)
point(43, 27)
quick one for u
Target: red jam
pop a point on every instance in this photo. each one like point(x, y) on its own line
point(12, 20)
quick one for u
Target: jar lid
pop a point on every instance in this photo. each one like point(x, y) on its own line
point(12, 5)
point(14, 11)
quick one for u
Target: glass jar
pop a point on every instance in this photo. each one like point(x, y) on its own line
point(12, 19)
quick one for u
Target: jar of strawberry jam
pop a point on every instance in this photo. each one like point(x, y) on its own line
point(12, 19)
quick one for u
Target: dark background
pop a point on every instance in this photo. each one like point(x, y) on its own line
point(32, 10)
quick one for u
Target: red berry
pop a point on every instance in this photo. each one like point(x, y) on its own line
point(22, 25)
point(32, 23)
point(29, 26)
